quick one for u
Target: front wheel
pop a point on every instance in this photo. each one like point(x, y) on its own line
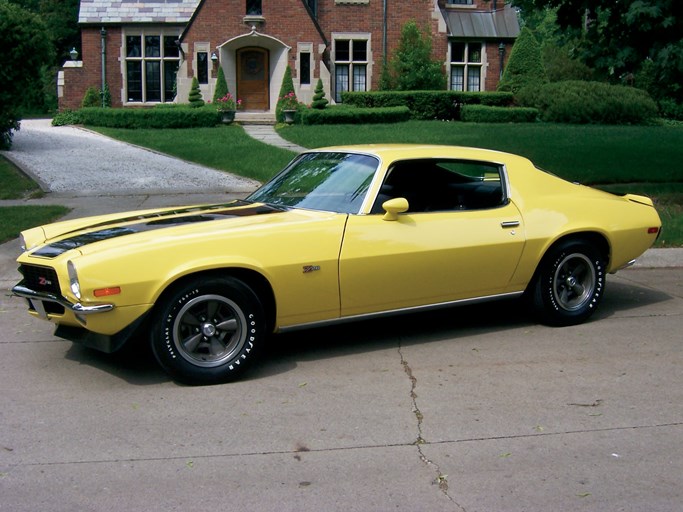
point(208, 331)
point(569, 284)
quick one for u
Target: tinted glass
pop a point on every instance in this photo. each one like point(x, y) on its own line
point(328, 181)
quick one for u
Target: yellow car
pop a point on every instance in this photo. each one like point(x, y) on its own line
point(340, 234)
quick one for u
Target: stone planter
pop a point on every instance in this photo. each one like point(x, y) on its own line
point(227, 116)
point(289, 116)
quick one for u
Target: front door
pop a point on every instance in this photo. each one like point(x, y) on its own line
point(252, 78)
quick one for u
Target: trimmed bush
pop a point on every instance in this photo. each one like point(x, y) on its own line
point(354, 115)
point(221, 86)
point(66, 117)
point(427, 105)
point(580, 102)
point(487, 114)
point(286, 92)
point(91, 98)
point(525, 65)
point(195, 96)
point(186, 117)
point(319, 100)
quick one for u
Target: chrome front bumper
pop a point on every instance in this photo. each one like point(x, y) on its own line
point(37, 299)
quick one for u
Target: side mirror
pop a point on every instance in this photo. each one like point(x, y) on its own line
point(393, 207)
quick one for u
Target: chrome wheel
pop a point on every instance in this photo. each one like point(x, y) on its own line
point(209, 330)
point(574, 282)
point(569, 283)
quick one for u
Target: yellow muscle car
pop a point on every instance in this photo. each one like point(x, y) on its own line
point(341, 233)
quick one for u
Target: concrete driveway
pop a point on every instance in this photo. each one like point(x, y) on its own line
point(470, 409)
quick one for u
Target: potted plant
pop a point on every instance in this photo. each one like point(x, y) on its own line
point(289, 104)
point(227, 106)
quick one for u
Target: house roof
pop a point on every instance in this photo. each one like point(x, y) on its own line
point(500, 24)
point(136, 11)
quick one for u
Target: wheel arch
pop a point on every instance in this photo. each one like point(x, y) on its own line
point(598, 240)
point(253, 279)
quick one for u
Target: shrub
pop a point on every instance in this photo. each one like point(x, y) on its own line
point(182, 117)
point(580, 102)
point(354, 115)
point(91, 98)
point(221, 86)
point(66, 117)
point(487, 114)
point(195, 96)
point(427, 105)
point(286, 94)
point(319, 100)
point(670, 109)
point(525, 65)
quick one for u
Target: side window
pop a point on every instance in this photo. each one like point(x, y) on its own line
point(442, 185)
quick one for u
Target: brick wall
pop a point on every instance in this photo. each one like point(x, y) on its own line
point(78, 79)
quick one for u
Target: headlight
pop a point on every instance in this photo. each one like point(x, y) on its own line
point(73, 280)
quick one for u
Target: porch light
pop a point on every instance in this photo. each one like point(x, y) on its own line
point(214, 57)
point(73, 54)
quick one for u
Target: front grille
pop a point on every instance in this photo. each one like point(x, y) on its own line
point(40, 279)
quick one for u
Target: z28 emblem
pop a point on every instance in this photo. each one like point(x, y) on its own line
point(43, 281)
point(310, 268)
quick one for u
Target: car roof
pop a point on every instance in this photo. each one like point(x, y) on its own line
point(393, 152)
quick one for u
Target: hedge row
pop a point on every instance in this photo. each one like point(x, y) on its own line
point(354, 115)
point(487, 114)
point(141, 117)
point(427, 105)
point(579, 102)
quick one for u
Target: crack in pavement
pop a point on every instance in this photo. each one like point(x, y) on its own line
point(441, 480)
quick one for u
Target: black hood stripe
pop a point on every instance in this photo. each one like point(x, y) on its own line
point(152, 221)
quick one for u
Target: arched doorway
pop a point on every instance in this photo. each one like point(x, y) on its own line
point(253, 75)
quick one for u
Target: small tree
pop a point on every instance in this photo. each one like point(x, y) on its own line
point(287, 94)
point(412, 67)
point(195, 97)
point(91, 98)
point(221, 90)
point(525, 65)
point(319, 100)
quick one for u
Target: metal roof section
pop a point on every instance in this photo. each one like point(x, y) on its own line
point(500, 24)
point(136, 11)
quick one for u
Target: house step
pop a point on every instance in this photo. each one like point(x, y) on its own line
point(267, 118)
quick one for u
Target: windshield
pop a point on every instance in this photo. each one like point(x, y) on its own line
point(328, 181)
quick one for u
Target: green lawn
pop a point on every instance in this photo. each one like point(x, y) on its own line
point(589, 154)
point(15, 219)
point(15, 185)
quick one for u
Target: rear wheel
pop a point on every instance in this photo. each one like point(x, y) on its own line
point(569, 283)
point(208, 331)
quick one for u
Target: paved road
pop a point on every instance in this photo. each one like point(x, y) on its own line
point(471, 409)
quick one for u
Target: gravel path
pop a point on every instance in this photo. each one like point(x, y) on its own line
point(68, 159)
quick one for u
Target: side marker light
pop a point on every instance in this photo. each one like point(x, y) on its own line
point(105, 292)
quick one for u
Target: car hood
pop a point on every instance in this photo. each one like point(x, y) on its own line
point(86, 234)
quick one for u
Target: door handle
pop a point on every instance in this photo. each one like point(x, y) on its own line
point(509, 224)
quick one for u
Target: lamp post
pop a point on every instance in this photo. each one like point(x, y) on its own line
point(501, 53)
point(73, 54)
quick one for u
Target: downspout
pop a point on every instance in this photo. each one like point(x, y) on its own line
point(384, 33)
point(103, 44)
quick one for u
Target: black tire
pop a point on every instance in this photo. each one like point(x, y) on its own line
point(569, 283)
point(208, 331)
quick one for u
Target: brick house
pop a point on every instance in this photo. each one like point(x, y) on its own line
point(147, 52)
